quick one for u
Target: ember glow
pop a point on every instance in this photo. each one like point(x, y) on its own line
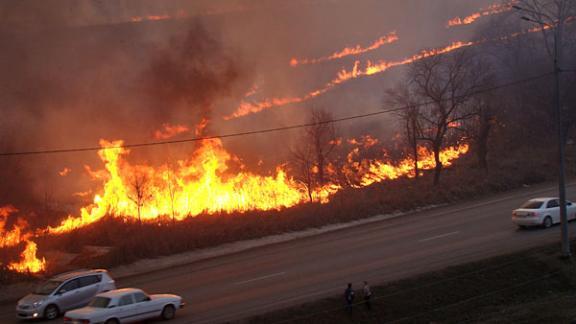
point(493, 9)
point(348, 51)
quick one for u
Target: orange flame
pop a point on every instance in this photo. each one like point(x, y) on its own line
point(371, 68)
point(343, 76)
point(348, 51)
point(493, 9)
point(64, 172)
point(205, 184)
point(378, 171)
point(29, 262)
point(168, 131)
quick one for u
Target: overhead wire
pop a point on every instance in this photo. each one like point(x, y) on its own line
point(266, 130)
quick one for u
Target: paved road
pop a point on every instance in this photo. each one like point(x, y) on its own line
point(272, 277)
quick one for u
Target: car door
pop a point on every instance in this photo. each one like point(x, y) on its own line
point(126, 310)
point(145, 306)
point(571, 213)
point(88, 288)
point(67, 295)
point(553, 209)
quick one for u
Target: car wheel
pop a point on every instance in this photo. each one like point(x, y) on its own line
point(547, 223)
point(51, 312)
point(112, 321)
point(168, 312)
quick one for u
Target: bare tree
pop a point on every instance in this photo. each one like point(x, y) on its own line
point(171, 184)
point(478, 128)
point(402, 96)
point(313, 154)
point(140, 183)
point(445, 83)
point(303, 159)
point(323, 137)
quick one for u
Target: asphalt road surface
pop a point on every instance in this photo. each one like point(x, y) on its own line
point(264, 279)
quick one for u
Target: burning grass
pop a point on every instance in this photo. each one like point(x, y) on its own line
point(132, 241)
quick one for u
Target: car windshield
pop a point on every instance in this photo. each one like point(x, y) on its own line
point(47, 288)
point(532, 204)
point(100, 302)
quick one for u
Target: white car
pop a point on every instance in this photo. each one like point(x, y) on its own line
point(543, 212)
point(125, 306)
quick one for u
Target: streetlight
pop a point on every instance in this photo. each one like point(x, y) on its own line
point(556, 28)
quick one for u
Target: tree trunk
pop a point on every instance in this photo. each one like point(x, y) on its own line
point(415, 148)
point(482, 143)
point(415, 153)
point(438, 164)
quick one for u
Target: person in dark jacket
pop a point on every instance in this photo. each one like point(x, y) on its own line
point(349, 297)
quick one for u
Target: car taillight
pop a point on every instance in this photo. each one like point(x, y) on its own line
point(67, 319)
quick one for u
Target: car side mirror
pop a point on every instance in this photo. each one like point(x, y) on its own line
point(148, 299)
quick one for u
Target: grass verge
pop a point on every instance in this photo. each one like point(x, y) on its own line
point(532, 286)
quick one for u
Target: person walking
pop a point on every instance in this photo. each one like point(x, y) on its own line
point(367, 295)
point(349, 297)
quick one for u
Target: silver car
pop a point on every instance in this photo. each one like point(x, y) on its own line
point(64, 292)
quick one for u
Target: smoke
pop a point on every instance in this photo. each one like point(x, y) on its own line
point(75, 71)
point(187, 75)
point(70, 86)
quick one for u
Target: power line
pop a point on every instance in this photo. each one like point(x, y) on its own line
point(267, 130)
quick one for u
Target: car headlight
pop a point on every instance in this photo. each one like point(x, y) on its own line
point(37, 303)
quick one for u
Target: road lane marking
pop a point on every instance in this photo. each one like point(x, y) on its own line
point(260, 278)
point(439, 236)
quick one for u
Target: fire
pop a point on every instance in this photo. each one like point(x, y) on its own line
point(64, 172)
point(29, 263)
point(365, 141)
point(378, 171)
point(371, 68)
point(493, 9)
point(19, 234)
point(168, 131)
point(348, 51)
point(201, 184)
point(206, 183)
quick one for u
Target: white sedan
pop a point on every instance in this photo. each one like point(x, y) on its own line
point(543, 212)
point(125, 306)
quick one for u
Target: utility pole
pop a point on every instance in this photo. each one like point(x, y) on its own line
point(556, 26)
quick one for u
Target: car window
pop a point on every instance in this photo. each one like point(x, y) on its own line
point(69, 286)
point(552, 204)
point(89, 280)
point(532, 204)
point(141, 297)
point(126, 300)
point(47, 288)
point(100, 302)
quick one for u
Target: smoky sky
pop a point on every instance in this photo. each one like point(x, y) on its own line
point(76, 71)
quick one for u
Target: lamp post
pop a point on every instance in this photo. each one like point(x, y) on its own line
point(556, 27)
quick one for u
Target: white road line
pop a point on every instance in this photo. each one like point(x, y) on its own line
point(261, 278)
point(438, 236)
